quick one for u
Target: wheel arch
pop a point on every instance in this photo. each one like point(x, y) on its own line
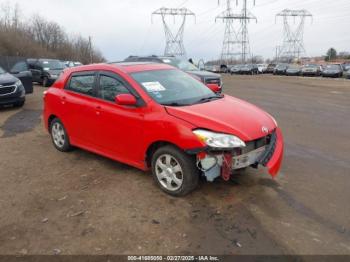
point(49, 121)
point(153, 148)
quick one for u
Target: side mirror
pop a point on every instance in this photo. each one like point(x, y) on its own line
point(214, 87)
point(125, 100)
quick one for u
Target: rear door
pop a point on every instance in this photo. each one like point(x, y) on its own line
point(79, 103)
point(119, 128)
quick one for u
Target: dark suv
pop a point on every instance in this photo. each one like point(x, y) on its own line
point(208, 78)
point(45, 71)
point(12, 91)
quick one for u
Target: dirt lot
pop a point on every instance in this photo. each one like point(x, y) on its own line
point(80, 203)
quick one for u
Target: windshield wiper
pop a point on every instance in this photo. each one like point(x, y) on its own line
point(208, 99)
point(173, 104)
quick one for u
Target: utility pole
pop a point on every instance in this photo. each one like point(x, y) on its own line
point(174, 42)
point(293, 40)
point(236, 42)
point(90, 49)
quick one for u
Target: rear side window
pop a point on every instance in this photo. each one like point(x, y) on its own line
point(82, 84)
point(110, 88)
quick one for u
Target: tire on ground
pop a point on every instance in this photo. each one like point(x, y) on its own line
point(188, 165)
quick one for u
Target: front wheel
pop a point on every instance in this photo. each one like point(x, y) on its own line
point(174, 171)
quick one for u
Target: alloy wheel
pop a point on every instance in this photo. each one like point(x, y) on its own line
point(169, 172)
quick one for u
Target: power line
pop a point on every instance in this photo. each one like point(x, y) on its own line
point(174, 42)
point(293, 40)
point(236, 42)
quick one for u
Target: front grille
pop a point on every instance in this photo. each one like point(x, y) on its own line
point(215, 81)
point(5, 90)
point(255, 144)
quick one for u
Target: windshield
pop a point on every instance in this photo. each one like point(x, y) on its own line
point(334, 67)
point(181, 64)
point(281, 66)
point(2, 71)
point(311, 66)
point(173, 87)
point(293, 67)
point(53, 65)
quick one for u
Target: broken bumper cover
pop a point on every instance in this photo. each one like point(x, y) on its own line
point(269, 155)
point(273, 156)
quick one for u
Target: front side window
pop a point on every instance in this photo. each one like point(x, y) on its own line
point(173, 87)
point(82, 84)
point(110, 88)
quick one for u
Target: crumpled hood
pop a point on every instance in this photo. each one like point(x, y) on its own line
point(7, 79)
point(227, 115)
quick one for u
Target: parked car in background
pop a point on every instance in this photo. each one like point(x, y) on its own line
point(270, 69)
point(262, 68)
point(280, 69)
point(156, 117)
point(212, 68)
point(311, 70)
point(212, 80)
point(293, 70)
point(72, 63)
point(236, 69)
point(45, 71)
point(333, 70)
point(12, 91)
point(249, 69)
point(347, 74)
point(346, 66)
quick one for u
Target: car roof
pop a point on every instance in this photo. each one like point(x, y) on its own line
point(126, 67)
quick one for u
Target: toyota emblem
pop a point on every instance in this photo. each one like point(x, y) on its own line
point(265, 130)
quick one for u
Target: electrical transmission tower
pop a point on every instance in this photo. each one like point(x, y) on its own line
point(293, 40)
point(174, 42)
point(236, 42)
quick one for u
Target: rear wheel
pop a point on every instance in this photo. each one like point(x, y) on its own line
point(174, 171)
point(59, 136)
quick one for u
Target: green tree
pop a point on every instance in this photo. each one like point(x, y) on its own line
point(331, 54)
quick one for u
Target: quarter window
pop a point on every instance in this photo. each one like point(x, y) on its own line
point(110, 88)
point(82, 84)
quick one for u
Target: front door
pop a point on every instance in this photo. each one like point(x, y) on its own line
point(119, 128)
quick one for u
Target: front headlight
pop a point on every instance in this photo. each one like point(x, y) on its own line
point(18, 83)
point(218, 140)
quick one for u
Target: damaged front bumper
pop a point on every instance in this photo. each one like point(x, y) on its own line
point(267, 152)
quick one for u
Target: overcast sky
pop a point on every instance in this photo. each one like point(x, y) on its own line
point(123, 27)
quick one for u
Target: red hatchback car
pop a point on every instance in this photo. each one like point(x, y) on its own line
point(154, 116)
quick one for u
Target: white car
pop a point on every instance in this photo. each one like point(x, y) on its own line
point(262, 68)
point(72, 64)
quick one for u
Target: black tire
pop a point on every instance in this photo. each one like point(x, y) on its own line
point(65, 146)
point(46, 81)
point(190, 172)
